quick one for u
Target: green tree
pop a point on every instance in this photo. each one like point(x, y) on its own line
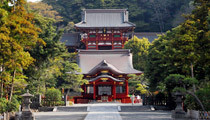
point(47, 65)
point(203, 95)
point(52, 61)
point(138, 83)
point(53, 96)
point(70, 78)
point(45, 10)
point(182, 50)
point(139, 49)
point(18, 35)
point(177, 82)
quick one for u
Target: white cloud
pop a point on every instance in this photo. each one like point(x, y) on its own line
point(33, 0)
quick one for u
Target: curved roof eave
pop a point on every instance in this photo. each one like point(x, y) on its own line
point(104, 66)
point(124, 25)
point(105, 76)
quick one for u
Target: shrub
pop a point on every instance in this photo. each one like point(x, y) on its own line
point(6, 106)
point(204, 96)
point(53, 97)
point(3, 105)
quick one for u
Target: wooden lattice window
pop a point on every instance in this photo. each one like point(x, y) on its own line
point(116, 35)
point(92, 36)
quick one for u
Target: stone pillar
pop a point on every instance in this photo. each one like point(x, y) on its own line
point(66, 100)
point(26, 112)
point(143, 99)
point(40, 99)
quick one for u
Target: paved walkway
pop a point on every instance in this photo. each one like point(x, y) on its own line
point(60, 115)
point(152, 115)
point(103, 111)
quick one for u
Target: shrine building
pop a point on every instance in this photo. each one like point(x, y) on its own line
point(104, 62)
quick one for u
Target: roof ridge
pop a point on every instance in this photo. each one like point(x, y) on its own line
point(124, 9)
point(108, 76)
point(120, 51)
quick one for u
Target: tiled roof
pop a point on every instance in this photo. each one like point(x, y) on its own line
point(120, 61)
point(70, 39)
point(100, 18)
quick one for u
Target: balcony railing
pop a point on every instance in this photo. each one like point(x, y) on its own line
point(105, 39)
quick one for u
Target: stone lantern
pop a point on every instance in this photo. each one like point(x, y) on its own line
point(179, 113)
point(26, 111)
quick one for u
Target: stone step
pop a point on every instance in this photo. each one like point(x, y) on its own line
point(72, 109)
point(135, 108)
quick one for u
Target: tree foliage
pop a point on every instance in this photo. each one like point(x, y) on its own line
point(138, 83)
point(53, 96)
point(183, 50)
point(45, 10)
point(139, 49)
point(18, 35)
point(180, 58)
point(9, 106)
point(52, 61)
point(31, 54)
point(203, 95)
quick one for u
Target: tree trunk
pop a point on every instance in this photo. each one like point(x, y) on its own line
point(68, 91)
point(2, 86)
point(38, 89)
point(2, 83)
point(192, 75)
point(158, 16)
point(7, 116)
point(12, 86)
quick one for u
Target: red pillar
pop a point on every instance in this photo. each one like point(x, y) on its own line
point(86, 42)
point(96, 44)
point(122, 42)
point(114, 90)
point(112, 39)
point(97, 37)
point(126, 88)
point(112, 45)
point(85, 89)
point(94, 91)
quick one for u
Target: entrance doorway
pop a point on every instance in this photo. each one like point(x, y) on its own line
point(104, 47)
point(104, 90)
point(104, 93)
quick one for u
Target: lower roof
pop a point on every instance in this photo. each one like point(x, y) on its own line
point(118, 60)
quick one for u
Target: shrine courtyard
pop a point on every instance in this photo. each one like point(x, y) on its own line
point(104, 111)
